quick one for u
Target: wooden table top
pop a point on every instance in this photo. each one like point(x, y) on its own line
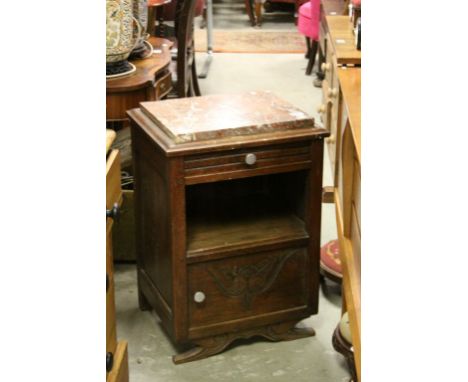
point(145, 69)
point(343, 40)
point(350, 83)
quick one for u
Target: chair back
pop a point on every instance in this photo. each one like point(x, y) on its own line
point(184, 30)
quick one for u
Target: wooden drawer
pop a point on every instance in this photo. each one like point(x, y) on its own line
point(235, 163)
point(356, 198)
point(163, 86)
point(250, 287)
point(356, 241)
point(113, 191)
point(110, 302)
point(119, 372)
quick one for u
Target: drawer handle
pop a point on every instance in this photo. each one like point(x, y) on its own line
point(109, 361)
point(325, 66)
point(199, 297)
point(114, 212)
point(250, 159)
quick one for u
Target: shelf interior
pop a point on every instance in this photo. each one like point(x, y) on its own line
point(245, 213)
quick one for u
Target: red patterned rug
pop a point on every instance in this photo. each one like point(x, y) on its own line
point(252, 41)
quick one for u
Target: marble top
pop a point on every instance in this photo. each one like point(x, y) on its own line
point(220, 116)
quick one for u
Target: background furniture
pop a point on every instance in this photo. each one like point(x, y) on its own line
point(228, 217)
point(340, 51)
point(150, 82)
point(181, 13)
point(348, 202)
point(268, 5)
point(116, 352)
point(327, 8)
point(186, 79)
point(330, 261)
point(341, 113)
point(341, 341)
point(308, 25)
point(155, 14)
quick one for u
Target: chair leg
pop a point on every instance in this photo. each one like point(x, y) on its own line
point(312, 54)
point(248, 7)
point(196, 87)
point(308, 47)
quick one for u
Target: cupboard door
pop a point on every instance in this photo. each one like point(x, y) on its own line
point(247, 287)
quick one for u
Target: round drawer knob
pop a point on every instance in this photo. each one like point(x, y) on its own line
point(325, 66)
point(199, 297)
point(321, 109)
point(250, 159)
point(332, 92)
point(331, 139)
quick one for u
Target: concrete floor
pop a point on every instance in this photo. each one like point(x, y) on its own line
point(309, 359)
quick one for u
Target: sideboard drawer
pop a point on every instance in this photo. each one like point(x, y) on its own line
point(246, 162)
point(163, 85)
point(246, 286)
point(356, 198)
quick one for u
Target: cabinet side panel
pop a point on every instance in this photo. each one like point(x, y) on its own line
point(313, 218)
point(152, 216)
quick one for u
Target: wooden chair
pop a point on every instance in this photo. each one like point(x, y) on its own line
point(183, 68)
point(186, 81)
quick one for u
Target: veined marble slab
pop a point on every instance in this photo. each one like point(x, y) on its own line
point(221, 116)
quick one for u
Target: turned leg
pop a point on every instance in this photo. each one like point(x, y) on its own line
point(248, 7)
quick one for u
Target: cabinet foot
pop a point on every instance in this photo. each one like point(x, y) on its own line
point(213, 345)
point(143, 302)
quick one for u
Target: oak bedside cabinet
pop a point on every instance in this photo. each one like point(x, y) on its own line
point(228, 210)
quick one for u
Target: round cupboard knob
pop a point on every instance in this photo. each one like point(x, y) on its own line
point(114, 212)
point(325, 66)
point(199, 297)
point(331, 139)
point(332, 92)
point(250, 159)
point(321, 109)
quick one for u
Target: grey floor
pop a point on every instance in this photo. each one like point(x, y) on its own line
point(310, 359)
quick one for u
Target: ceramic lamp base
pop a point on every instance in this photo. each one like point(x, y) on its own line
point(118, 69)
point(145, 50)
